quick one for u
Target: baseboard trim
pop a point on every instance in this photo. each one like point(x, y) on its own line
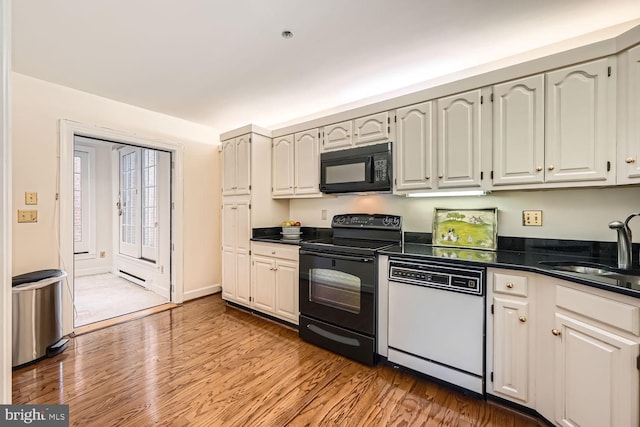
point(202, 292)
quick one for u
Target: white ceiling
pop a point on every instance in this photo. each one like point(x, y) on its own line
point(224, 63)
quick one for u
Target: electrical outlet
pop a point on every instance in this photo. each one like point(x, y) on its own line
point(103, 254)
point(324, 214)
point(30, 198)
point(532, 218)
point(27, 216)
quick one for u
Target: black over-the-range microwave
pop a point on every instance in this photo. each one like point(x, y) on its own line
point(354, 170)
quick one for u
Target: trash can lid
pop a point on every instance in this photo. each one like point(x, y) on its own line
point(35, 276)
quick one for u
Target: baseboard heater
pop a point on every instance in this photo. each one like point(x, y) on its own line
point(127, 274)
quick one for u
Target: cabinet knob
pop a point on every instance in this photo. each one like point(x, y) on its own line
point(630, 160)
point(556, 332)
point(539, 168)
point(522, 319)
point(510, 285)
point(551, 167)
point(273, 252)
point(439, 176)
point(427, 177)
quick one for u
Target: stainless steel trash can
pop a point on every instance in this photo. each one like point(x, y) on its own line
point(37, 316)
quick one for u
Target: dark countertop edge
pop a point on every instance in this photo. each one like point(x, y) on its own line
point(533, 267)
point(277, 239)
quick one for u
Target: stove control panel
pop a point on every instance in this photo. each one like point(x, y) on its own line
point(387, 222)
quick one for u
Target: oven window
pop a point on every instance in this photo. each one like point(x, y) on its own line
point(351, 172)
point(335, 289)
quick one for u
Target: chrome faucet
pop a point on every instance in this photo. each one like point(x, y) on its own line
point(624, 241)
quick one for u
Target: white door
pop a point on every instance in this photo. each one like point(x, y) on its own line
point(518, 131)
point(286, 290)
point(371, 128)
point(129, 202)
point(459, 139)
point(282, 166)
point(580, 130)
point(629, 164)
point(415, 132)
point(337, 135)
point(307, 164)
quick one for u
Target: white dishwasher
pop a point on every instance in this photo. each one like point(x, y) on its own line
point(436, 320)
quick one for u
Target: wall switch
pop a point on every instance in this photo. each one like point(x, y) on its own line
point(103, 254)
point(532, 218)
point(27, 216)
point(30, 198)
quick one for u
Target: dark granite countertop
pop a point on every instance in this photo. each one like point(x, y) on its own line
point(529, 257)
point(273, 235)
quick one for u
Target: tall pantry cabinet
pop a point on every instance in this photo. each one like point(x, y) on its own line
point(246, 204)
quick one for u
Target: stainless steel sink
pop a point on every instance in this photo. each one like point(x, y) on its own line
point(628, 278)
point(579, 267)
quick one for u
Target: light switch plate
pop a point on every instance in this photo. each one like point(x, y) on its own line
point(533, 218)
point(27, 216)
point(30, 198)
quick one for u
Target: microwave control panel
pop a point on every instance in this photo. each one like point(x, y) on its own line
point(381, 169)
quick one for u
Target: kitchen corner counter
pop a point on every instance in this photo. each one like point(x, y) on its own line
point(526, 260)
point(273, 235)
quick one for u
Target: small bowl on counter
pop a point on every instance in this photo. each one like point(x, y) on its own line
point(291, 232)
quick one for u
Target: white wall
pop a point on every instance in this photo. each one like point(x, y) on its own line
point(5, 204)
point(37, 107)
point(579, 214)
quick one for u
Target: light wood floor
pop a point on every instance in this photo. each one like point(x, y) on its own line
point(206, 364)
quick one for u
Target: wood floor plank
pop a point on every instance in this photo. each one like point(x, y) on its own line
point(206, 364)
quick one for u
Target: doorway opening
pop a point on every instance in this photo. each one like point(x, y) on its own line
point(118, 197)
point(121, 229)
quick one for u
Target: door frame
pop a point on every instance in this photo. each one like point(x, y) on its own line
point(67, 130)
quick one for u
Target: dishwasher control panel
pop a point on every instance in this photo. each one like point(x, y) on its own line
point(468, 280)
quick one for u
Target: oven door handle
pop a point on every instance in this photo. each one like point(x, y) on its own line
point(335, 256)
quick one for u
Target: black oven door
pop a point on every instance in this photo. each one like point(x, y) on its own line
point(339, 289)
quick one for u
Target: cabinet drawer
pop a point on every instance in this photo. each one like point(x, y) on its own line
point(510, 284)
point(275, 250)
point(604, 310)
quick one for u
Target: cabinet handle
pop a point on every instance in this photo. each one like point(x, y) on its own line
point(234, 207)
point(556, 332)
point(539, 168)
point(427, 177)
point(510, 285)
point(439, 176)
point(551, 167)
point(522, 319)
point(273, 252)
point(630, 160)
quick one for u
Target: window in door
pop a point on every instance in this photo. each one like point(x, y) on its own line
point(83, 215)
point(138, 203)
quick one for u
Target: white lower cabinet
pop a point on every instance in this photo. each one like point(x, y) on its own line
point(568, 351)
point(511, 367)
point(274, 280)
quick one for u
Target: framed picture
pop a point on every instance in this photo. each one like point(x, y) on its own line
point(466, 228)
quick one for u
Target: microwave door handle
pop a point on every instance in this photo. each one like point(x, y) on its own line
point(369, 168)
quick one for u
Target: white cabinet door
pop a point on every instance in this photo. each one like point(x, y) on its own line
point(243, 165)
point(511, 335)
point(597, 378)
point(580, 129)
point(263, 276)
point(518, 131)
point(415, 133)
point(236, 166)
point(286, 290)
point(371, 128)
point(236, 230)
point(338, 135)
point(629, 163)
point(228, 167)
point(282, 174)
point(459, 139)
point(307, 163)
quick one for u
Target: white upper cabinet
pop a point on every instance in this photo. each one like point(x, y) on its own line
point(338, 135)
point(371, 128)
point(307, 163)
point(518, 132)
point(296, 165)
point(460, 139)
point(413, 149)
point(282, 169)
point(361, 131)
point(236, 166)
point(629, 152)
point(580, 139)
